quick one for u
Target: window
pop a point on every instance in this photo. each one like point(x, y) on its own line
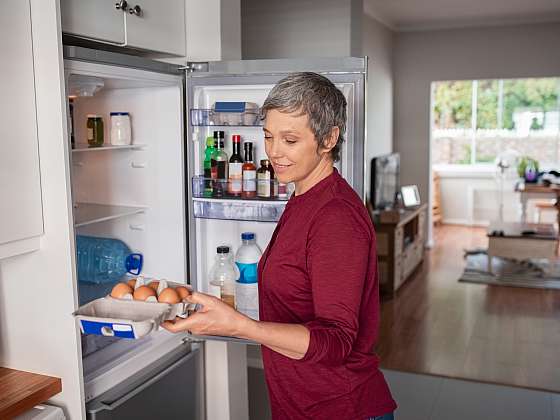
point(475, 120)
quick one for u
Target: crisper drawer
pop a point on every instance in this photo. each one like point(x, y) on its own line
point(170, 390)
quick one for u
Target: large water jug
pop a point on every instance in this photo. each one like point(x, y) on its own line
point(105, 260)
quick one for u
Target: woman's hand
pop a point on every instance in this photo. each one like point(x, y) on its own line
point(213, 318)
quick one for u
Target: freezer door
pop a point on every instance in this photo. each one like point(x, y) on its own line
point(171, 389)
point(348, 73)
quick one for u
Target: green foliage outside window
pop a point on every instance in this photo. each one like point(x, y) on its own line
point(453, 101)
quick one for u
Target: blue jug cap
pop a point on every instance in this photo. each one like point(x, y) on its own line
point(247, 236)
point(134, 263)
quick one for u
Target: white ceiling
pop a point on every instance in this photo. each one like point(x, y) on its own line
point(411, 15)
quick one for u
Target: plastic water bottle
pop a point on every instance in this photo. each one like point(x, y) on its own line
point(105, 260)
point(223, 276)
point(246, 288)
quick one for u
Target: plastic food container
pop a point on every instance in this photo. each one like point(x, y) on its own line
point(128, 318)
point(235, 113)
point(120, 129)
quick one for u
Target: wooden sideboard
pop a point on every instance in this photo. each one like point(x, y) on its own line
point(400, 247)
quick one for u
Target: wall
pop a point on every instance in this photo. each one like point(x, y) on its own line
point(37, 295)
point(475, 53)
point(213, 30)
point(378, 46)
point(300, 28)
point(328, 28)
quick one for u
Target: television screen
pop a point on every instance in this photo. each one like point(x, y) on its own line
point(384, 180)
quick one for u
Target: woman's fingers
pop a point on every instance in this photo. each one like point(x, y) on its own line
point(193, 323)
point(176, 325)
point(201, 298)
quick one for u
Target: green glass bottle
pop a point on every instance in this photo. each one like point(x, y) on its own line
point(208, 166)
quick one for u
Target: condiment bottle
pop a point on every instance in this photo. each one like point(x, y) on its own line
point(208, 166)
point(235, 180)
point(219, 165)
point(265, 180)
point(249, 172)
point(95, 130)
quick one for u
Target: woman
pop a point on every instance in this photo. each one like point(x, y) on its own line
point(318, 286)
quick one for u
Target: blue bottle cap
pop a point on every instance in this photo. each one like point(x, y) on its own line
point(247, 236)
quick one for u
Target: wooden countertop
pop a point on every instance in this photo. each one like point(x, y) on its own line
point(21, 391)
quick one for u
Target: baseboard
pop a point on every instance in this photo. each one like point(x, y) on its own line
point(466, 222)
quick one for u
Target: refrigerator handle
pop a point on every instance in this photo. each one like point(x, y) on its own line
point(110, 406)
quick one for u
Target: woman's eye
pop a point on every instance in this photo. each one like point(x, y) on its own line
point(290, 141)
point(268, 137)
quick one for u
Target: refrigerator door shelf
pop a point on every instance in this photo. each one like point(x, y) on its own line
point(126, 318)
point(203, 188)
point(210, 117)
point(241, 210)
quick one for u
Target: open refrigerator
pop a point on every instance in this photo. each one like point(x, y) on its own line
point(147, 194)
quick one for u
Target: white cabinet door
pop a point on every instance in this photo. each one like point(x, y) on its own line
point(21, 214)
point(95, 19)
point(160, 26)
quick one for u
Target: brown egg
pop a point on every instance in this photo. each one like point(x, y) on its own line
point(169, 295)
point(131, 283)
point(121, 289)
point(154, 284)
point(182, 291)
point(143, 293)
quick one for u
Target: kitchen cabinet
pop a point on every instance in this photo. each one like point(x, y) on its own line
point(21, 216)
point(143, 24)
point(98, 20)
point(158, 26)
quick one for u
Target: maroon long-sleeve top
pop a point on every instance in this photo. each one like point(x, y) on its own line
point(320, 270)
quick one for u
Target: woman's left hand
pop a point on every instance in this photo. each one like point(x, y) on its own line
point(213, 318)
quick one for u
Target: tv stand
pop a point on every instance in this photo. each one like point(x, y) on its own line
point(400, 245)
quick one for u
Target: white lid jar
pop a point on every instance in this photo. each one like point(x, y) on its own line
point(120, 129)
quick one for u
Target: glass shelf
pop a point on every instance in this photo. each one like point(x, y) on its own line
point(209, 117)
point(244, 210)
point(82, 149)
point(88, 213)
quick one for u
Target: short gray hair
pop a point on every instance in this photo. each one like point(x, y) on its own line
point(315, 96)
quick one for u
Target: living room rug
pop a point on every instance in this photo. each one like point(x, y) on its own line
point(541, 273)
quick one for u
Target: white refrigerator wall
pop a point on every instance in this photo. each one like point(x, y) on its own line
point(133, 177)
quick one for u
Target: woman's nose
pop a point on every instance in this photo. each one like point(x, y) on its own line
point(274, 149)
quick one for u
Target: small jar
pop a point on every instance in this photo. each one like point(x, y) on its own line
point(94, 130)
point(120, 129)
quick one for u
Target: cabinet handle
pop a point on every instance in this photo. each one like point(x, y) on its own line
point(136, 10)
point(121, 5)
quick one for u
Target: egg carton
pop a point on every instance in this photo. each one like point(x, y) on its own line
point(128, 318)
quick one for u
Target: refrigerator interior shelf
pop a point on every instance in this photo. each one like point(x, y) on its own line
point(82, 149)
point(244, 210)
point(209, 117)
point(89, 213)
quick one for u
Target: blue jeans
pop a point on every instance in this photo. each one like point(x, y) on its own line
point(388, 416)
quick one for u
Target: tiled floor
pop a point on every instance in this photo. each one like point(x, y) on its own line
point(423, 397)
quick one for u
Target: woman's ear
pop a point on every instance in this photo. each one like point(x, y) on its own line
point(331, 140)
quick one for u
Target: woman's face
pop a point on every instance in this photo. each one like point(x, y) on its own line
point(291, 146)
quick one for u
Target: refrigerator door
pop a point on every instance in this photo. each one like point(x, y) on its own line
point(247, 82)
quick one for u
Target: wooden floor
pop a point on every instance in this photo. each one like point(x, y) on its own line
point(436, 325)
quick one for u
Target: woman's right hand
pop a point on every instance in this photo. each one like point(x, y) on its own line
point(213, 318)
